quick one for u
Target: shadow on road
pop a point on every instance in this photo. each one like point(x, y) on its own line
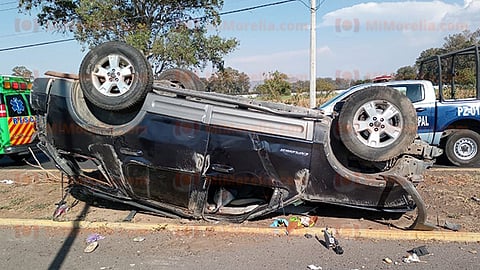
point(67, 245)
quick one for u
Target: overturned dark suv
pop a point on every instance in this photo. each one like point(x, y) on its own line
point(165, 147)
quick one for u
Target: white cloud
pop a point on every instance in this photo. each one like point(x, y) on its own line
point(383, 36)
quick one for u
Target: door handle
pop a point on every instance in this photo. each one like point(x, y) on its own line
point(222, 168)
point(420, 109)
point(131, 152)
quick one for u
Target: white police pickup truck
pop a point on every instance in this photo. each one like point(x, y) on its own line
point(449, 118)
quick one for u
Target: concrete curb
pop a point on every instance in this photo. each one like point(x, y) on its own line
point(349, 233)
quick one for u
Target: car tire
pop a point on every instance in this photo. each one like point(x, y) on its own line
point(462, 148)
point(115, 76)
point(377, 123)
point(182, 78)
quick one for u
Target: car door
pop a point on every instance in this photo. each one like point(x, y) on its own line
point(21, 123)
point(164, 159)
point(425, 109)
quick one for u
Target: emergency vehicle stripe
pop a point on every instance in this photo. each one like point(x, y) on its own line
point(20, 133)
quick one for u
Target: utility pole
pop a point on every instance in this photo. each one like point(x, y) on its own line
point(313, 55)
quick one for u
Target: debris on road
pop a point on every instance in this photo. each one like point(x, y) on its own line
point(411, 258)
point(279, 222)
point(330, 241)
point(314, 267)
point(300, 222)
point(308, 236)
point(91, 247)
point(452, 226)
point(7, 181)
point(420, 251)
point(387, 260)
point(94, 237)
point(139, 239)
point(475, 198)
point(61, 209)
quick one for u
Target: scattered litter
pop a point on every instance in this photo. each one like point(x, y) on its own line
point(61, 209)
point(139, 239)
point(411, 258)
point(452, 226)
point(475, 198)
point(94, 237)
point(308, 236)
point(160, 227)
point(388, 260)
point(473, 251)
point(314, 267)
point(91, 247)
point(7, 182)
point(300, 222)
point(279, 222)
point(331, 242)
point(420, 251)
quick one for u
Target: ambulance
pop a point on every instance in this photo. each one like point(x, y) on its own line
point(17, 119)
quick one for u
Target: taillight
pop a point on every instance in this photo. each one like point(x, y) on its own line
point(23, 86)
point(7, 85)
point(15, 86)
point(3, 110)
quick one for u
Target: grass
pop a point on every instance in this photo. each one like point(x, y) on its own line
point(37, 207)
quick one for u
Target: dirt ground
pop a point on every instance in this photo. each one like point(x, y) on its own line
point(450, 195)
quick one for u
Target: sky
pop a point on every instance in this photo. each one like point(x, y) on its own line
point(355, 39)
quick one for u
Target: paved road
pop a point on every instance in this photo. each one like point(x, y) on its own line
point(43, 248)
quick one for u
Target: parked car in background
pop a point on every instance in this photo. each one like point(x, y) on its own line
point(17, 119)
point(166, 148)
point(449, 119)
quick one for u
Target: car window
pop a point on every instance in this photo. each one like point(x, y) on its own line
point(415, 92)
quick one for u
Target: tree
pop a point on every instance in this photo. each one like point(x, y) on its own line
point(22, 71)
point(275, 86)
point(406, 73)
point(464, 72)
point(229, 81)
point(170, 33)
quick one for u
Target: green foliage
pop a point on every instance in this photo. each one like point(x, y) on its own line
point(170, 33)
point(464, 72)
point(325, 85)
point(275, 86)
point(406, 73)
point(22, 71)
point(229, 81)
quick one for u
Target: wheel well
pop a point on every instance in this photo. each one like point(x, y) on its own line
point(470, 124)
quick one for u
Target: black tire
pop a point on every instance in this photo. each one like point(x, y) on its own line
point(372, 135)
point(182, 78)
point(121, 71)
point(462, 148)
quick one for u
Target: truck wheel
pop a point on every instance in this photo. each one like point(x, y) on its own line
point(462, 148)
point(115, 76)
point(182, 78)
point(377, 123)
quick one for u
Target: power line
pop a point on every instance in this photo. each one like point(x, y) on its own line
point(221, 14)
point(8, 3)
point(7, 9)
point(256, 7)
point(36, 44)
